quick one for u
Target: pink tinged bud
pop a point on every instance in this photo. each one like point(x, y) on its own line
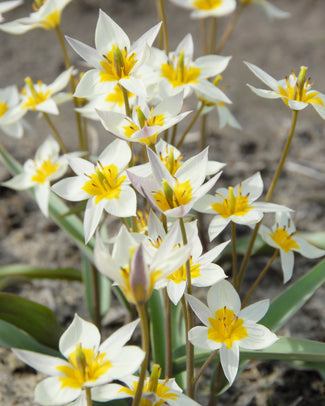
point(139, 277)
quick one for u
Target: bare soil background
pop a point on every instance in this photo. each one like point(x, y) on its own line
point(277, 47)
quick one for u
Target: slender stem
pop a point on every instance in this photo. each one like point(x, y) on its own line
point(203, 129)
point(234, 253)
point(203, 367)
point(145, 346)
point(230, 28)
point(174, 133)
point(213, 34)
point(56, 133)
point(82, 135)
point(95, 287)
point(269, 195)
point(197, 114)
point(162, 16)
point(88, 396)
point(204, 35)
point(259, 278)
point(168, 334)
point(190, 322)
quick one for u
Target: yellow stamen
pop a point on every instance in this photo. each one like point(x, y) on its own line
point(181, 74)
point(180, 275)
point(284, 240)
point(207, 4)
point(170, 198)
point(105, 183)
point(117, 64)
point(3, 108)
point(233, 205)
point(44, 171)
point(85, 366)
point(226, 327)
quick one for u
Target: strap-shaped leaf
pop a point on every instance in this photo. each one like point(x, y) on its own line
point(33, 272)
point(36, 320)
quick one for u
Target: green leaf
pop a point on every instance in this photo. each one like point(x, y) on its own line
point(294, 297)
point(35, 319)
point(32, 272)
point(13, 337)
point(157, 329)
point(285, 349)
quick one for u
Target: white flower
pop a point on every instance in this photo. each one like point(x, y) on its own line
point(7, 6)
point(294, 95)
point(114, 60)
point(270, 10)
point(174, 195)
point(179, 71)
point(39, 172)
point(47, 15)
point(10, 112)
point(158, 263)
point(146, 123)
point(105, 186)
point(227, 327)
point(86, 363)
point(207, 8)
point(283, 236)
point(42, 97)
point(236, 204)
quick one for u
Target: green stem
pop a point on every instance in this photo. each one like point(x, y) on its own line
point(213, 34)
point(203, 129)
point(216, 386)
point(126, 101)
point(56, 133)
point(95, 287)
point(259, 278)
point(145, 346)
point(174, 133)
point(168, 334)
point(162, 16)
point(204, 366)
point(234, 253)
point(189, 322)
point(204, 35)
point(88, 396)
point(82, 136)
point(230, 28)
point(269, 195)
point(197, 114)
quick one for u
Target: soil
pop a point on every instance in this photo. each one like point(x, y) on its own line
point(278, 47)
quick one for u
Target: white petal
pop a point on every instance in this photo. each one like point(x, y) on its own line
point(229, 360)
point(259, 337)
point(92, 217)
point(266, 94)
point(201, 310)
point(108, 392)
point(287, 261)
point(124, 206)
point(120, 337)
point(255, 311)
point(198, 336)
point(42, 194)
point(223, 294)
point(217, 224)
point(50, 393)
point(176, 291)
point(79, 332)
point(126, 362)
point(41, 362)
point(263, 76)
point(308, 250)
point(71, 189)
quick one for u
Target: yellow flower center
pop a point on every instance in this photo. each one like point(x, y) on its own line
point(170, 162)
point(117, 64)
point(169, 198)
point(291, 92)
point(44, 171)
point(3, 108)
point(117, 96)
point(85, 366)
point(180, 275)
point(105, 183)
point(207, 4)
point(233, 205)
point(35, 97)
point(180, 74)
point(226, 327)
point(148, 122)
point(284, 240)
point(163, 392)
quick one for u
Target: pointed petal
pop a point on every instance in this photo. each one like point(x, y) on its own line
point(223, 294)
point(119, 338)
point(41, 362)
point(201, 310)
point(229, 360)
point(198, 336)
point(50, 393)
point(255, 311)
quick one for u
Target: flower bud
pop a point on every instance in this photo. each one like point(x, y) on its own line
point(139, 277)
